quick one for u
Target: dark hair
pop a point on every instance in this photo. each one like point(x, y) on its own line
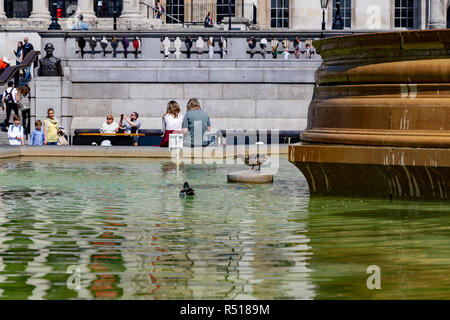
point(16, 118)
point(137, 114)
point(10, 83)
point(38, 123)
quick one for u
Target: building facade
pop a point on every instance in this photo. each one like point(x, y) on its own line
point(268, 14)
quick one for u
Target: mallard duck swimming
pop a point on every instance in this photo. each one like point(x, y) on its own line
point(187, 191)
point(253, 160)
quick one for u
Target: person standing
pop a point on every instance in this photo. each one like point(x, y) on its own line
point(15, 133)
point(136, 46)
point(114, 45)
point(51, 128)
point(23, 101)
point(9, 100)
point(37, 137)
point(27, 48)
point(125, 44)
point(19, 53)
point(160, 9)
point(209, 23)
point(172, 122)
point(297, 45)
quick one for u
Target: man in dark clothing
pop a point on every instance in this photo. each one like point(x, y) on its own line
point(10, 100)
point(27, 48)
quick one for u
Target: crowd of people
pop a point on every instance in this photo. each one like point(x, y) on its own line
point(279, 49)
point(173, 122)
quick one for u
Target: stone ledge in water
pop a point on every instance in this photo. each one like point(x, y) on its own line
point(250, 176)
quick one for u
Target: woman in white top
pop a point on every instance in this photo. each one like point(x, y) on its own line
point(109, 126)
point(172, 122)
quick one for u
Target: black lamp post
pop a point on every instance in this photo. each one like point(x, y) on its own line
point(54, 25)
point(115, 15)
point(338, 23)
point(229, 14)
point(323, 4)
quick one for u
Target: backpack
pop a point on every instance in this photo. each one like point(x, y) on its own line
point(11, 128)
point(9, 97)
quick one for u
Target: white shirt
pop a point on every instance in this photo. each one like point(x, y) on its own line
point(14, 91)
point(13, 133)
point(171, 123)
point(109, 128)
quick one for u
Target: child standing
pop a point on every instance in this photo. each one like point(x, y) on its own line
point(37, 137)
point(15, 132)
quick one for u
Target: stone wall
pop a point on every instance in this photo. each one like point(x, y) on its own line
point(230, 105)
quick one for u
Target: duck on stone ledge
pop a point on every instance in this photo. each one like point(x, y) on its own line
point(253, 160)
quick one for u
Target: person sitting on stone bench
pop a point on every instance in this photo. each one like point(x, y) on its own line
point(130, 125)
point(109, 126)
point(196, 121)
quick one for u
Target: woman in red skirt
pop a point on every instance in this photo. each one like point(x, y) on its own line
point(172, 122)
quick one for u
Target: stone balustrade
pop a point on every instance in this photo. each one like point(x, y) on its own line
point(201, 44)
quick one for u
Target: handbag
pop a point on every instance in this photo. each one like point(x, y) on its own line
point(62, 141)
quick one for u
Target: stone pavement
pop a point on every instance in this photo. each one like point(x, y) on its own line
point(125, 151)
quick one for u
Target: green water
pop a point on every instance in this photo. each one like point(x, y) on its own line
point(123, 224)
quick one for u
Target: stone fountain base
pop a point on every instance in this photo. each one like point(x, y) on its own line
point(379, 123)
point(386, 172)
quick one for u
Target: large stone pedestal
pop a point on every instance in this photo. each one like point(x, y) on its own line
point(51, 92)
point(379, 123)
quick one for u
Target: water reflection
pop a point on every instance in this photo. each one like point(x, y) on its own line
point(107, 263)
point(405, 239)
point(124, 224)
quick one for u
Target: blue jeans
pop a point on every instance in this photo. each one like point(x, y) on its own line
point(52, 143)
point(28, 74)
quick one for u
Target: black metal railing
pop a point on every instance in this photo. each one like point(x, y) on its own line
point(13, 72)
point(149, 7)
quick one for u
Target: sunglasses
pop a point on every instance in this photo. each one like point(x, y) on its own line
point(109, 118)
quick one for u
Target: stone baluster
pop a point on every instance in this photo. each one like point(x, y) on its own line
point(40, 10)
point(166, 46)
point(177, 44)
point(199, 45)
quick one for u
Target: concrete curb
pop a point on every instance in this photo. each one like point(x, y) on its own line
point(132, 152)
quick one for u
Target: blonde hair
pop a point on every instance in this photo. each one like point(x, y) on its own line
point(193, 104)
point(110, 116)
point(173, 108)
